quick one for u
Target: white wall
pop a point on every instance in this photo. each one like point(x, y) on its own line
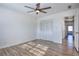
point(58, 29)
point(15, 27)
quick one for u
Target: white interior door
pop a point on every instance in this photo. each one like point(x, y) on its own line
point(76, 33)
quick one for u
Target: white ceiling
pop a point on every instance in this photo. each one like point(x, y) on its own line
point(56, 7)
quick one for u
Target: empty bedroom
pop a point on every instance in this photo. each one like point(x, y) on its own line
point(39, 29)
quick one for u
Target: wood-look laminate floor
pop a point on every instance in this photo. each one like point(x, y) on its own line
point(39, 48)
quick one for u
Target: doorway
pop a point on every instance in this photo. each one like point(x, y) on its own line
point(69, 31)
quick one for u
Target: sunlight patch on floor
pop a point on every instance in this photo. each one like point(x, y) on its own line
point(26, 45)
point(31, 43)
point(38, 49)
point(42, 47)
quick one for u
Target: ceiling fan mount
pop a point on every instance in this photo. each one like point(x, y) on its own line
point(38, 9)
point(69, 7)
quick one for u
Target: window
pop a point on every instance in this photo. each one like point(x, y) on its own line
point(70, 28)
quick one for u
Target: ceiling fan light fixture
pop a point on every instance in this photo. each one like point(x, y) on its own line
point(37, 11)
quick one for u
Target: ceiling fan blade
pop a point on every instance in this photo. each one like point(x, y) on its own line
point(43, 11)
point(29, 11)
point(28, 7)
point(45, 8)
point(37, 5)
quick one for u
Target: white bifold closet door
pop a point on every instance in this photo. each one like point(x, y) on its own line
point(46, 29)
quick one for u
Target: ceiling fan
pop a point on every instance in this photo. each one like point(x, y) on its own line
point(37, 9)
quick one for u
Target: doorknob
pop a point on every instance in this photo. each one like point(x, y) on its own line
point(76, 32)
